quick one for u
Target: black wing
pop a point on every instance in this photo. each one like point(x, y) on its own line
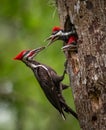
point(49, 87)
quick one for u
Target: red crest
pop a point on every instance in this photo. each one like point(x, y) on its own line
point(56, 28)
point(20, 55)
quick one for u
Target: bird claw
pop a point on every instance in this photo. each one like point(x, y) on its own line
point(65, 64)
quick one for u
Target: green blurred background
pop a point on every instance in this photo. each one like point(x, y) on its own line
point(24, 24)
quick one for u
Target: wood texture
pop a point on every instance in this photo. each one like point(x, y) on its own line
point(89, 84)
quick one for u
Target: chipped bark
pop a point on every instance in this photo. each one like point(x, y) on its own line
point(89, 84)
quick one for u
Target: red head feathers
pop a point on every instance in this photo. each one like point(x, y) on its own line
point(20, 55)
point(56, 28)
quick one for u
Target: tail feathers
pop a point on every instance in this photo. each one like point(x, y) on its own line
point(69, 110)
point(73, 113)
point(63, 116)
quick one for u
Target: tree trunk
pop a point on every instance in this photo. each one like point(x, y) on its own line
point(87, 68)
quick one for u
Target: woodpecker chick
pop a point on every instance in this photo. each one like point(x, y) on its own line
point(70, 37)
point(48, 79)
point(71, 45)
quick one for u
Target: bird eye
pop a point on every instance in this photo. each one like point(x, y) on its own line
point(26, 55)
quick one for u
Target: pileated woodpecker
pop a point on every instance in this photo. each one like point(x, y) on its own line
point(70, 38)
point(48, 79)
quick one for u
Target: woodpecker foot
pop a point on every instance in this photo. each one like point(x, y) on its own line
point(65, 65)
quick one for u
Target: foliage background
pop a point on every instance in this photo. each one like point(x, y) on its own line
point(24, 24)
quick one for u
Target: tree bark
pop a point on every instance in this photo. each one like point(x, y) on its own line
point(89, 83)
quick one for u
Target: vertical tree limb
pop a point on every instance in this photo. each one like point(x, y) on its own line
point(89, 84)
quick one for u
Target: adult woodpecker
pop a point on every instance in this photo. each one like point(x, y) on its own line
point(69, 37)
point(48, 79)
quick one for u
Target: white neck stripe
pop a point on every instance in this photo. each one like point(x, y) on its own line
point(36, 66)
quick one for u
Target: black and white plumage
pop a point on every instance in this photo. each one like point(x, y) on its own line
point(69, 37)
point(48, 79)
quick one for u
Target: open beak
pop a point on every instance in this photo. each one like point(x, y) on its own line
point(51, 39)
point(28, 54)
point(36, 51)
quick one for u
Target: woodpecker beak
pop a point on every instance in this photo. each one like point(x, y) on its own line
point(38, 49)
point(52, 39)
point(35, 52)
point(70, 47)
point(28, 54)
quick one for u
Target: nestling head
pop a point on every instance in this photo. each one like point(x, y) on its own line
point(57, 33)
